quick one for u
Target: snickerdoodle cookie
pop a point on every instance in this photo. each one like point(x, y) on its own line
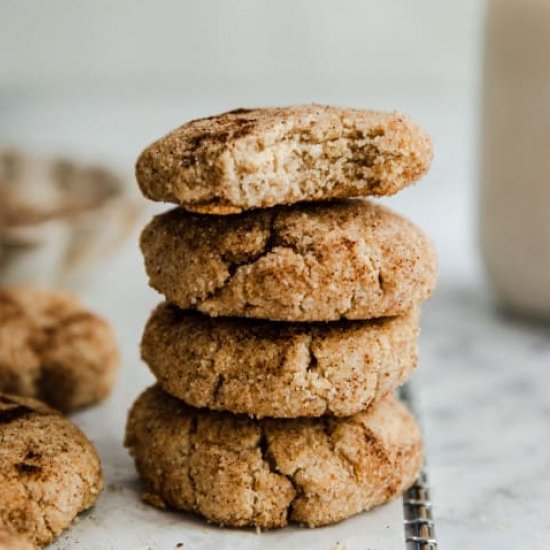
point(258, 158)
point(282, 370)
point(12, 541)
point(52, 348)
point(310, 262)
point(49, 471)
point(237, 471)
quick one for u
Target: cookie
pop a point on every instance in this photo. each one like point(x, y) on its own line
point(52, 348)
point(258, 158)
point(49, 471)
point(311, 262)
point(11, 541)
point(282, 370)
point(237, 471)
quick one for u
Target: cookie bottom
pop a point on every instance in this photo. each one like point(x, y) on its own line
point(237, 471)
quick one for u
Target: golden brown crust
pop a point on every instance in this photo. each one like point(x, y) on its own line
point(54, 349)
point(237, 471)
point(258, 158)
point(12, 541)
point(280, 370)
point(310, 262)
point(49, 471)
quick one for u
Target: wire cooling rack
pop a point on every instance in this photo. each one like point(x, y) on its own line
point(417, 507)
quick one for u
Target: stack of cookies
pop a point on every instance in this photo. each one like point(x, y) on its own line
point(291, 315)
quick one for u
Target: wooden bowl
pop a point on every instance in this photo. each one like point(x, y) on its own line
point(59, 219)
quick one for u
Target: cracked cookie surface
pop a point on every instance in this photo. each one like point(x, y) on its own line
point(259, 158)
point(49, 471)
point(281, 370)
point(349, 259)
point(237, 471)
point(53, 349)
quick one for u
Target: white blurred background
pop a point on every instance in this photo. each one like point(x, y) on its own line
point(102, 79)
point(123, 71)
point(212, 41)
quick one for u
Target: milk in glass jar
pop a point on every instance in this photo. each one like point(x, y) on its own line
point(515, 186)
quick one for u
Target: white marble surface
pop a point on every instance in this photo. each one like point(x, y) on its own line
point(482, 386)
point(483, 389)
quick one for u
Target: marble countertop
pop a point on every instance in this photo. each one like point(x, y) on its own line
point(482, 385)
point(483, 396)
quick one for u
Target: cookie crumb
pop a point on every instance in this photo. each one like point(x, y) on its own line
point(153, 500)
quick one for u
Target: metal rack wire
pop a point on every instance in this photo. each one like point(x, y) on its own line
point(417, 507)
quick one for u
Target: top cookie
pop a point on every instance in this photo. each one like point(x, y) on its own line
point(258, 158)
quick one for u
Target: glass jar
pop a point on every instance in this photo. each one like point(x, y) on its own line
point(515, 187)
